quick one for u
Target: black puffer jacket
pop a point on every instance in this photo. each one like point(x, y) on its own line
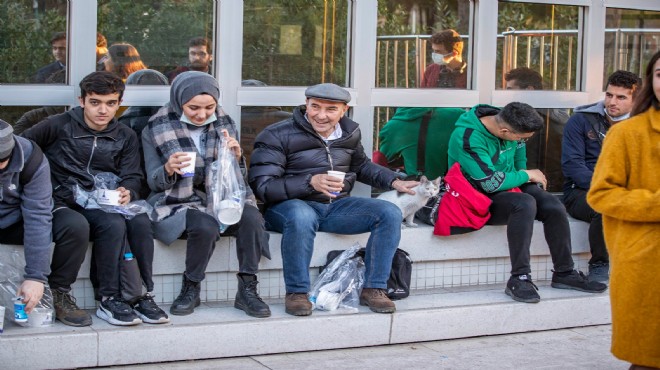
point(287, 154)
point(76, 153)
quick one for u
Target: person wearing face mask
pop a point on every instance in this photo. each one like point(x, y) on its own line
point(581, 145)
point(448, 69)
point(193, 121)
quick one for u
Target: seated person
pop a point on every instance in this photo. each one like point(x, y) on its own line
point(58, 47)
point(400, 137)
point(583, 141)
point(448, 69)
point(79, 144)
point(288, 173)
point(193, 122)
point(489, 144)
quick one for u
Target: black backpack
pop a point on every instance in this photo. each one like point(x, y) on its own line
point(31, 164)
point(398, 285)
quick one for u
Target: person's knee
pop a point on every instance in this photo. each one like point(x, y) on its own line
point(114, 223)
point(70, 225)
point(204, 226)
point(526, 204)
point(389, 213)
point(298, 216)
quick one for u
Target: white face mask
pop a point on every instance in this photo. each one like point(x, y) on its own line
point(440, 58)
point(210, 119)
point(619, 118)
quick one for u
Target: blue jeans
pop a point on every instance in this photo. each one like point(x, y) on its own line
point(299, 220)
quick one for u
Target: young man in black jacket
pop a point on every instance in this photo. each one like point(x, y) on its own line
point(79, 144)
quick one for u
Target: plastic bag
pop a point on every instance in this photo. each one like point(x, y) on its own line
point(12, 264)
point(338, 286)
point(228, 187)
point(105, 197)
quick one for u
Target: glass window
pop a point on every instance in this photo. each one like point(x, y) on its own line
point(170, 36)
point(24, 117)
point(423, 44)
point(33, 41)
point(631, 38)
point(296, 43)
point(541, 37)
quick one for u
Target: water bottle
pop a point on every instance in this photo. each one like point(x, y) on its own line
point(128, 256)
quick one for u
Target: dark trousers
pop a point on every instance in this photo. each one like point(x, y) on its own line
point(576, 204)
point(202, 231)
point(518, 211)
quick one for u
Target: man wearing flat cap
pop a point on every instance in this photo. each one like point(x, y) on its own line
point(25, 209)
point(288, 172)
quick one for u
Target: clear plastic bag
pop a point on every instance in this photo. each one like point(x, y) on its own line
point(105, 197)
point(338, 286)
point(12, 264)
point(228, 187)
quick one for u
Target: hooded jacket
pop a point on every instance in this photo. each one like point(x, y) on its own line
point(77, 153)
point(287, 154)
point(488, 162)
point(582, 143)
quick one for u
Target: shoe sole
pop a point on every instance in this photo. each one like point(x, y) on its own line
point(75, 324)
point(145, 319)
point(528, 300)
point(565, 286)
point(251, 313)
point(378, 310)
point(298, 312)
point(101, 314)
point(174, 311)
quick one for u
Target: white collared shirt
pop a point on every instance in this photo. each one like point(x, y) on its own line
point(336, 134)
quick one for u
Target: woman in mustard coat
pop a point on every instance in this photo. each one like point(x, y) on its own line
point(626, 189)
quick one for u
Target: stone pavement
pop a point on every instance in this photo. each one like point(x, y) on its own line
point(576, 348)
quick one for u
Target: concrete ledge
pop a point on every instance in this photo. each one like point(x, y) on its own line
point(219, 330)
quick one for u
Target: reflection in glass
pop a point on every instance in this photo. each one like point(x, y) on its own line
point(404, 50)
point(295, 43)
point(24, 117)
point(631, 38)
point(33, 41)
point(159, 30)
point(541, 37)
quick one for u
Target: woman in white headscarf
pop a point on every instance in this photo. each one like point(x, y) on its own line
point(193, 122)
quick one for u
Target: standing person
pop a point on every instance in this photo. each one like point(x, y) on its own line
point(448, 69)
point(200, 56)
point(123, 59)
point(489, 144)
point(194, 122)
point(58, 48)
point(288, 173)
point(581, 146)
point(79, 144)
point(625, 189)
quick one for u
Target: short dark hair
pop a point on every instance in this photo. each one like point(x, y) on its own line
point(57, 36)
point(449, 39)
point(521, 117)
point(201, 41)
point(626, 80)
point(525, 77)
point(101, 83)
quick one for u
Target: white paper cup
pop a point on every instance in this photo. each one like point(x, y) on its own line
point(230, 212)
point(337, 174)
point(189, 169)
point(107, 197)
point(40, 317)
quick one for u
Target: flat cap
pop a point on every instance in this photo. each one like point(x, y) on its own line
point(6, 139)
point(328, 91)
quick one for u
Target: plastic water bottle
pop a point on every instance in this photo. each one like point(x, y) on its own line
point(128, 256)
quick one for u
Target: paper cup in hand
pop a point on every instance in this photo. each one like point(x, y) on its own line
point(337, 174)
point(189, 169)
point(230, 212)
point(107, 197)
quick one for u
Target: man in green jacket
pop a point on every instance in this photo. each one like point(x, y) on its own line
point(489, 144)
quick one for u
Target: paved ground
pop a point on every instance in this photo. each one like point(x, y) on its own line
point(578, 348)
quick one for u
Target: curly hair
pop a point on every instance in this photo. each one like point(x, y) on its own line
point(449, 39)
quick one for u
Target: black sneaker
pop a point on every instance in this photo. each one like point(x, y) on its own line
point(599, 272)
point(522, 289)
point(117, 312)
point(149, 311)
point(577, 281)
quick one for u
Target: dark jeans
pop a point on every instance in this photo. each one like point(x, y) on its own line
point(518, 211)
point(576, 204)
point(202, 231)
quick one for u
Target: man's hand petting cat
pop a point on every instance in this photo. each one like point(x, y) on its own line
point(404, 186)
point(327, 184)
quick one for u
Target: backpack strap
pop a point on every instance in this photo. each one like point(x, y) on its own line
point(421, 143)
point(31, 164)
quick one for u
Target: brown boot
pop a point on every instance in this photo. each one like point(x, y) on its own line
point(67, 311)
point(297, 304)
point(377, 300)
